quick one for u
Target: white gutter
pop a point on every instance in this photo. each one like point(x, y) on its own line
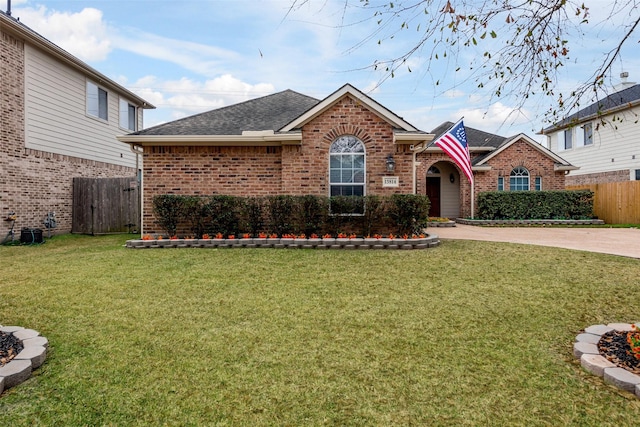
point(560, 168)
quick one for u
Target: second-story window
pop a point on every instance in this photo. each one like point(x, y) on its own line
point(588, 133)
point(127, 116)
point(568, 139)
point(97, 103)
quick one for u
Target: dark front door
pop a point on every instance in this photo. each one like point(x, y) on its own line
point(433, 192)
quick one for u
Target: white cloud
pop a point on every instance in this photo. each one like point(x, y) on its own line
point(498, 116)
point(199, 58)
point(83, 34)
point(180, 98)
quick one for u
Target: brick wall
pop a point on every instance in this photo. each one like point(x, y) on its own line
point(234, 171)
point(598, 178)
point(34, 182)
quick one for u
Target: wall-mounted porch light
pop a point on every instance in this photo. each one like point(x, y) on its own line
point(452, 178)
point(391, 164)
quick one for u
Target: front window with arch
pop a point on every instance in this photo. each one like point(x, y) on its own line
point(347, 167)
point(519, 179)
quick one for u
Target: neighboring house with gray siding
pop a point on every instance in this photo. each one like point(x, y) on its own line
point(603, 139)
point(60, 119)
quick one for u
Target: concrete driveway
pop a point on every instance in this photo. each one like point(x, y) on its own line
point(615, 241)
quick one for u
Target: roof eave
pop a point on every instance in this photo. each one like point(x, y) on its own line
point(412, 138)
point(213, 140)
point(565, 168)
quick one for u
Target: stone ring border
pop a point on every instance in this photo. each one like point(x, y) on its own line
point(31, 357)
point(585, 348)
point(430, 241)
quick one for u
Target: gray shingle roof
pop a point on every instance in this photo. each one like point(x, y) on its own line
point(475, 137)
point(618, 99)
point(269, 112)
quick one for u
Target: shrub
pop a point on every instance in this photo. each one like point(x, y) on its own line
point(252, 213)
point(280, 214)
point(374, 215)
point(195, 213)
point(285, 214)
point(169, 211)
point(502, 205)
point(312, 214)
point(410, 212)
point(224, 213)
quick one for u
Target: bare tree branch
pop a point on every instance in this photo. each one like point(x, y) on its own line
point(525, 43)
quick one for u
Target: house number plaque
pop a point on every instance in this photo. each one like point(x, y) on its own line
point(390, 181)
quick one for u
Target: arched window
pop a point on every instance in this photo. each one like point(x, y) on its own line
point(519, 179)
point(347, 167)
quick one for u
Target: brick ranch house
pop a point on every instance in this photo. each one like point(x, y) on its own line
point(345, 144)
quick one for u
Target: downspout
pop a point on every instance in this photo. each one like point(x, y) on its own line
point(415, 167)
point(138, 150)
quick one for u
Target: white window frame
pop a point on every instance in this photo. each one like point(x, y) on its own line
point(538, 183)
point(124, 115)
point(501, 183)
point(95, 106)
point(338, 156)
point(519, 179)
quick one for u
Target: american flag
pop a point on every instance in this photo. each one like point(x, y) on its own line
point(454, 143)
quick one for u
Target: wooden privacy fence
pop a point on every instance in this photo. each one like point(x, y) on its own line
point(615, 202)
point(105, 205)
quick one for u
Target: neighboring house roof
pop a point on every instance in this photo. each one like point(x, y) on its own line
point(475, 137)
point(560, 164)
point(271, 112)
point(12, 25)
point(276, 118)
point(619, 101)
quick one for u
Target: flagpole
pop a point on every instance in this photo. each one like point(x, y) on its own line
point(472, 198)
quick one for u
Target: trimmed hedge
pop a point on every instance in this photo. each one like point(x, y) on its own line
point(286, 214)
point(508, 205)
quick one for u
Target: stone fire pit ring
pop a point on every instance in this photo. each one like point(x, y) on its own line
point(31, 357)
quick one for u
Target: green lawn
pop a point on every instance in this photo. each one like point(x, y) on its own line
point(469, 333)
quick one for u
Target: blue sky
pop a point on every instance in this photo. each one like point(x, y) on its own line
point(190, 56)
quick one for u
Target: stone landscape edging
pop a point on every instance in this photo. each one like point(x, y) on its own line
point(585, 348)
point(289, 243)
point(31, 357)
point(441, 223)
point(528, 222)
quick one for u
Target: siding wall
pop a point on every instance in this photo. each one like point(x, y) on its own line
point(616, 146)
point(55, 114)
